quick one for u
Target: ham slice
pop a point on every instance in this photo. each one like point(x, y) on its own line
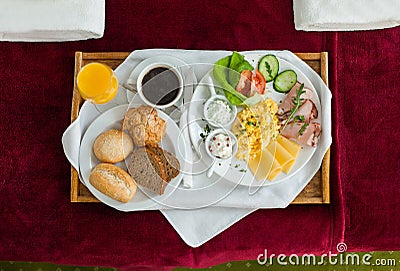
point(244, 84)
point(307, 136)
point(287, 103)
point(307, 110)
point(302, 128)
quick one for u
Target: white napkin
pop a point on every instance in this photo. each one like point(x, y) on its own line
point(345, 15)
point(51, 20)
point(196, 227)
point(227, 203)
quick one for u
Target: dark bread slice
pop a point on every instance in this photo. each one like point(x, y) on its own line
point(145, 167)
point(170, 162)
point(157, 163)
point(175, 166)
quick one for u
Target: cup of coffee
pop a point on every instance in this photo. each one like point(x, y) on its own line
point(160, 85)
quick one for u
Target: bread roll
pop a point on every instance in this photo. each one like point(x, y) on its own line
point(113, 182)
point(112, 146)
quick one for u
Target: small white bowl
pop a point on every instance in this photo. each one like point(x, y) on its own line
point(233, 141)
point(146, 70)
point(213, 99)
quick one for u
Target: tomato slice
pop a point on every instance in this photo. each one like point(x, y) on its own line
point(250, 83)
point(259, 82)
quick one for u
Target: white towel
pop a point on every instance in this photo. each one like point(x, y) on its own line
point(345, 15)
point(51, 20)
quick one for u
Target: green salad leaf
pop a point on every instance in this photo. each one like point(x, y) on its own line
point(227, 72)
point(236, 65)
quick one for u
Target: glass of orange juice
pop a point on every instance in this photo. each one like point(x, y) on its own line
point(97, 83)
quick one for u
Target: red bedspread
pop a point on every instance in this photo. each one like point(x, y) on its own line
point(38, 222)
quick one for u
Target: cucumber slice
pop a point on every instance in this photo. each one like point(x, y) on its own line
point(285, 81)
point(269, 67)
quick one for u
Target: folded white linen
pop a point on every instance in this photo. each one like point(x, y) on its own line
point(196, 227)
point(344, 15)
point(51, 20)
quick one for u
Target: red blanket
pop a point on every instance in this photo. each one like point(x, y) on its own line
point(38, 223)
point(369, 137)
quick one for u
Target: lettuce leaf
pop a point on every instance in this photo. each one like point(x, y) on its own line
point(220, 71)
point(236, 65)
point(227, 72)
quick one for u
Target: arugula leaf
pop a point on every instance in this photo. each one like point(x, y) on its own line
point(299, 118)
point(303, 128)
point(268, 68)
point(206, 130)
point(297, 102)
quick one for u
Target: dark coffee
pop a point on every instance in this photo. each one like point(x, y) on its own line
point(160, 86)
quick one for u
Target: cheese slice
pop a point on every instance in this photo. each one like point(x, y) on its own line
point(282, 156)
point(292, 147)
point(264, 166)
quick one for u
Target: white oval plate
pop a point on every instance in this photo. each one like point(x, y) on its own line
point(87, 160)
point(235, 170)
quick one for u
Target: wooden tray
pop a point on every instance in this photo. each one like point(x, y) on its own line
point(316, 192)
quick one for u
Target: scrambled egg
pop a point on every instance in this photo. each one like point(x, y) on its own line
point(255, 127)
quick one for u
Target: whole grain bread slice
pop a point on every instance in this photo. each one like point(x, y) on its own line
point(157, 163)
point(146, 167)
point(170, 162)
